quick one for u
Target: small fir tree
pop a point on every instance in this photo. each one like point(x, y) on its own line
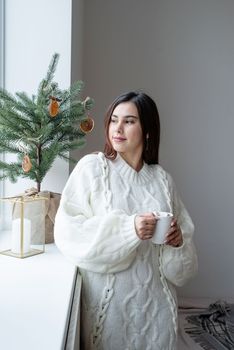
point(43, 127)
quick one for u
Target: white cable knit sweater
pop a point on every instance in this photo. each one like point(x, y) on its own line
point(128, 296)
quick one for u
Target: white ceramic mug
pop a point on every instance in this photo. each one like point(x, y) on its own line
point(163, 225)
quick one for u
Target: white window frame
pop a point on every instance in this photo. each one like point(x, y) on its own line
point(2, 78)
point(2, 42)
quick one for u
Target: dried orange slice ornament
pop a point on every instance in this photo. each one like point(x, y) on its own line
point(26, 164)
point(54, 106)
point(87, 125)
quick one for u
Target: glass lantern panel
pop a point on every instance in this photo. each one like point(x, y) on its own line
point(24, 234)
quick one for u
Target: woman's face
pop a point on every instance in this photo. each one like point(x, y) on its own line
point(125, 131)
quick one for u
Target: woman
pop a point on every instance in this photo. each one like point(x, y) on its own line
point(104, 225)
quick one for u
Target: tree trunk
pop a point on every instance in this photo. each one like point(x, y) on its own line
point(38, 187)
point(38, 164)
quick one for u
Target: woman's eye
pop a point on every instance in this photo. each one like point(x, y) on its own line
point(130, 121)
point(113, 120)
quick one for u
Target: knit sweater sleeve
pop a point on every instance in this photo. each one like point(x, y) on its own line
point(180, 264)
point(103, 242)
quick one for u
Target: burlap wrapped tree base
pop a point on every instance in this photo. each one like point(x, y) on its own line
point(51, 207)
point(41, 214)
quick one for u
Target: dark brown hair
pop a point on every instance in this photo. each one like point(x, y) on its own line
point(150, 124)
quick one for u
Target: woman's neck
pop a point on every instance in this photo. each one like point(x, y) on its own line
point(135, 161)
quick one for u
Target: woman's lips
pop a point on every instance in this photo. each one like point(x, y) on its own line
point(118, 139)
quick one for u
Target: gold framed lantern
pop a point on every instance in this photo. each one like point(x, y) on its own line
point(24, 234)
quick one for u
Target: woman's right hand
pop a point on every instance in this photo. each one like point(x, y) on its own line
point(145, 225)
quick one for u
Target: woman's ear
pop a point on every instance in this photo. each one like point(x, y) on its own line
point(147, 142)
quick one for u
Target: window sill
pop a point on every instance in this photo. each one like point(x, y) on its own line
point(36, 297)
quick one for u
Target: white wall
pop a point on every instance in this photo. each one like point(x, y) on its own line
point(34, 31)
point(181, 52)
point(77, 56)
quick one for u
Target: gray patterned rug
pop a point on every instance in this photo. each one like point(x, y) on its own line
point(212, 328)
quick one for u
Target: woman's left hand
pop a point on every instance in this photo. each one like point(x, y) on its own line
point(174, 236)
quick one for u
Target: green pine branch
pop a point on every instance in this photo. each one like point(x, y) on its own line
point(27, 128)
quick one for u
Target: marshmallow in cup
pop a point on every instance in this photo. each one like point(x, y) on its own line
point(163, 225)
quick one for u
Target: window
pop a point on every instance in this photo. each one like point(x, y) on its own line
point(2, 78)
point(2, 41)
